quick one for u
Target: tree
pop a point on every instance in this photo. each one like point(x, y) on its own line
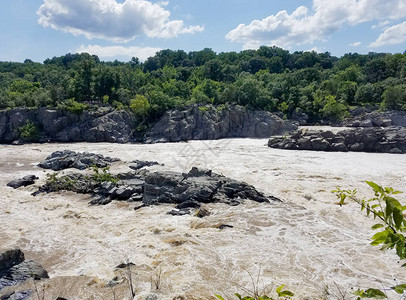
point(140, 106)
point(394, 97)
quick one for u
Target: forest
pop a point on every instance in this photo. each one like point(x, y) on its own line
point(270, 78)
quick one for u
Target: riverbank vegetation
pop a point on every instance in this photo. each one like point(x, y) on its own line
point(270, 78)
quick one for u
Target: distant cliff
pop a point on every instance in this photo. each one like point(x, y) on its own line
point(107, 125)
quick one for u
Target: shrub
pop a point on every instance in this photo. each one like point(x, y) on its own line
point(73, 106)
point(140, 106)
point(29, 131)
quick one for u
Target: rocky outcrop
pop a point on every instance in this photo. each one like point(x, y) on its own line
point(14, 269)
point(103, 125)
point(209, 123)
point(107, 125)
point(65, 159)
point(187, 191)
point(25, 181)
point(377, 119)
point(388, 140)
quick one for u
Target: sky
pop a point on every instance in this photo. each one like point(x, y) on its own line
point(122, 29)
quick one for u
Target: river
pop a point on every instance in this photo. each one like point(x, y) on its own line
point(306, 242)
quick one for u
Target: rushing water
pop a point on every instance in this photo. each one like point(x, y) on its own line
point(307, 242)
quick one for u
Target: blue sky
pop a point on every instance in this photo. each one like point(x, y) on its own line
point(120, 29)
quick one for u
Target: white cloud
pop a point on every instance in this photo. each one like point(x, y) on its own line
point(395, 34)
point(314, 49)
point(110, 20)
point(355, 44)
point(300, 27)
point(119, 51)
point(381, 24)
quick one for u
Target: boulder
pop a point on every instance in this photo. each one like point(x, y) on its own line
point(60, 160)
point(25, 181)
point(14, 269)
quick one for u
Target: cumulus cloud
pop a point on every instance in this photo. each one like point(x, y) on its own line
point(355, 44)
point(110, 20)
point(395, 34)
point(119, 51)
point(327, 17)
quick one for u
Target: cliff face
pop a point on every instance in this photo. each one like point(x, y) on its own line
point(57, 126)
point(120, 126)
point(208, 124)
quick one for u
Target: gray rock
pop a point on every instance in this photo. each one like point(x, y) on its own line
point(233, 121)
point(15, 270)
point(60, 160)
point(17, 295)
point(107, 125)
point(370, 139)
point(25, 181)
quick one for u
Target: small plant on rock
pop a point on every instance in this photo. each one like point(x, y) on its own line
point(103, 174)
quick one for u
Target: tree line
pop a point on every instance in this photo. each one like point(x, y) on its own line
point(270, 78)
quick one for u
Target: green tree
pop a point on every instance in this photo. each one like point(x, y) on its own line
point(394, 97)
point(140, 106)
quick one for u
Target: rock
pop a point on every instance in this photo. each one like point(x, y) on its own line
point(202, 212)
point(25, 181)
point(188, 190)
point(108, 125)
point(122, 192)
point(180, 212)
point(223, 226)
point(65, 159)
point(370, 139)
point(15, 270)
point(188, 204)
point(233, 121)
point(20, 295)
point(138, 164)
point(376, 119)
point(102, 125)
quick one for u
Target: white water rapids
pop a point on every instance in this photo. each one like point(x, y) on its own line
point(306, 242)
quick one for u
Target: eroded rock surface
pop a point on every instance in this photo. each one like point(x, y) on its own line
point(14, 269)
point(25, 181)
point(108, 125)
point(209, 123)
point(387, 140)
point(65, 159)
point(187, 190)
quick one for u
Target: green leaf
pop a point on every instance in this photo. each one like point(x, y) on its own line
point(397, 217)
point(286, 294)
point(376, 226)
point(373, 185)
point(238, 296)
point(399, 288)
point(375, 293)
point(218, 296)
point(280, 288)
point(379, 237)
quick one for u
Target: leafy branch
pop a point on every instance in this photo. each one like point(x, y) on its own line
point(389, 211)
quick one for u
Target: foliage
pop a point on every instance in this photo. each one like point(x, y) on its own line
point(73, 106)
point(56, 183)
point(270, 78)
point(388, 211)
point(29, 131)
point(103, 174)
point(280, 291)
point(140, 106)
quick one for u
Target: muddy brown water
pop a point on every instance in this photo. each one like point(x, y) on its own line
point(307, 242)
